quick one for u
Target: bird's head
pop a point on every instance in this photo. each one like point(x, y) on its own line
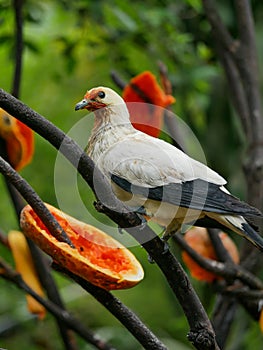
point(99, 97)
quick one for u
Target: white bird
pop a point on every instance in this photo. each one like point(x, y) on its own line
point(154, 177)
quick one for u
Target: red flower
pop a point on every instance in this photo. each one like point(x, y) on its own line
point(146, 116)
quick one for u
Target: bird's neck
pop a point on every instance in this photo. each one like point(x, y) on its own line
point(114, 115)
point(110, 126)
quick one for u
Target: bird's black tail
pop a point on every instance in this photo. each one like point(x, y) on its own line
point(252, 235)
point(239, 225)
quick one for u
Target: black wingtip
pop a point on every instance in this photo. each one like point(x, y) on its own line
point(253, 236)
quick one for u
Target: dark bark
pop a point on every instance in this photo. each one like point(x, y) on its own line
point(19, 45)
point(61, 314)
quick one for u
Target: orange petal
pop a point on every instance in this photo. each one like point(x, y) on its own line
point(25, 266)
point(19, 140)
point(147, 84)
point(148, 116)
point(199, 240)
point(98, 258)
point(261, 320)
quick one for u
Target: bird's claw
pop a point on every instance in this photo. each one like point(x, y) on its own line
point(143, 222)
point(150, 259)
point(140, 212)
point(166, 246)
point(121, 230)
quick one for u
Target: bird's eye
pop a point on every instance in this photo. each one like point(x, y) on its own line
point(101, 94)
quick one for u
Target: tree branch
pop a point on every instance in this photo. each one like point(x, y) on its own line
point(220, 30)
point(221, 252)
point(236, 91)
point(8, 273)
point(241, 69)
point(225, 306)
point(231, 271)
point(34, 200)
point(19, 45)
point(222, 317)
point(247, 61)
point(169, 119)
point(136, 327)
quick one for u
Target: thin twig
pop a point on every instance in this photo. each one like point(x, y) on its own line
point(221, 252)
point(19, 44)
point(118, 80)
point(221, 32)
point(236, 91)
point(3, 239)
point(225, 306)
point(222, 317)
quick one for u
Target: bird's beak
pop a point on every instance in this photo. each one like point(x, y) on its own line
point(82, 104)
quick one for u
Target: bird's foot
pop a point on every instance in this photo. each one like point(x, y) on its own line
point(150, 259)
point(165, 250)
point(171, 230)
point(167, 235)
point(141, 211)
point(141, 214)
point(143, 222)
point(121, 230)
point(166, 246)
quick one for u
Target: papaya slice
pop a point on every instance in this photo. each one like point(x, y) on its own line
point(199, 240)
point(97, 257)
point(19, 140)
point(25, 266)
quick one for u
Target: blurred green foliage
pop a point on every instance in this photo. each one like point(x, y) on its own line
point(71, 46)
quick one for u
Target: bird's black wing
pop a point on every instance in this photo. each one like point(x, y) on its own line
point(196, 194)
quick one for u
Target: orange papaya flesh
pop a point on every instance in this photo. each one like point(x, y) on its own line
point(26, 267)
point(199, 240)
point(98, 257)
point(26, 138)
point(19, 140)
point(261, 320)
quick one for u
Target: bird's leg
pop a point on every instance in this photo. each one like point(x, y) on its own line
point(165, 248)
point(121, 230)
point(171, 229)
point(141, 212)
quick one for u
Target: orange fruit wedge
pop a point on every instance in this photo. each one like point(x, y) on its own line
point(19, 140)
point(25, 266)
point(199, 240)
point(97, 257)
